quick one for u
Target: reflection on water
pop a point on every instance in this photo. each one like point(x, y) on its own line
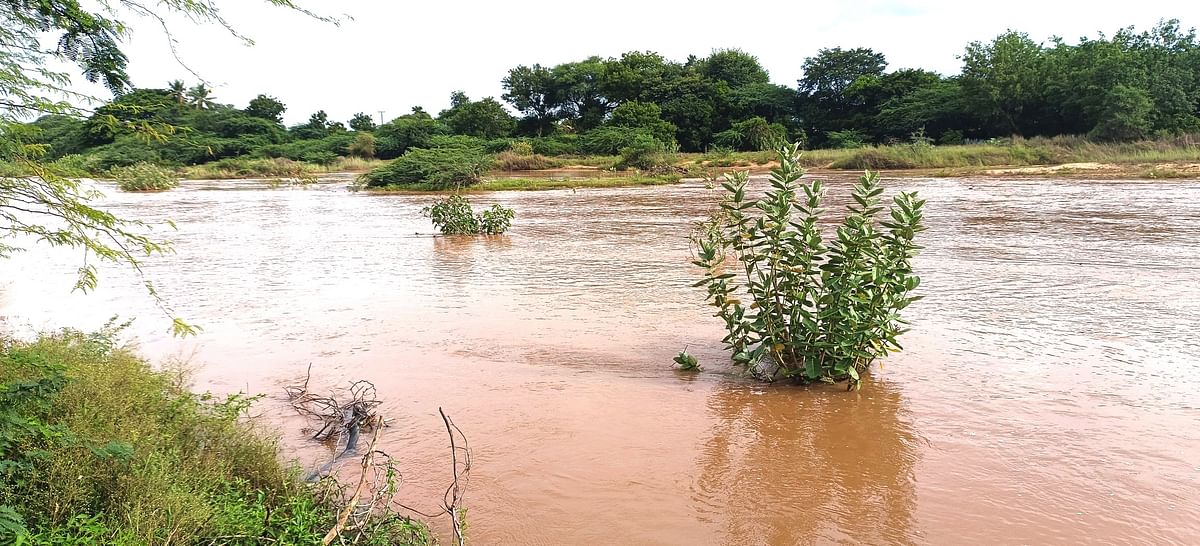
point(1047, 393)
point(782, 469)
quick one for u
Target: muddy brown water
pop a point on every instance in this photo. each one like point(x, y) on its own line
point(1049, 394)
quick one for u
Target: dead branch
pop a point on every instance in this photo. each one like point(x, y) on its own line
point(371, 501)
point(367, 463)
point(452, 499)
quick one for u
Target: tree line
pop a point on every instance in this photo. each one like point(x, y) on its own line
point(1127, 86)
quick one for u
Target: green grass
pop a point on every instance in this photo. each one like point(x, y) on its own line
point(98, 448)
point(245, 167)
point(1014, 152)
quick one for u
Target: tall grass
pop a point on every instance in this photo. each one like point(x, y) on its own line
point(512, 161)
point(1012, 152)
point(273, 167)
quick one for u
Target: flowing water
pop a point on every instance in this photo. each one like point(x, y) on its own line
point(1050, 391)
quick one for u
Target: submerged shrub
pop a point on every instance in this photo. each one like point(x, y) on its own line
point(816, 312)
point(145, 177)
point(454, 216)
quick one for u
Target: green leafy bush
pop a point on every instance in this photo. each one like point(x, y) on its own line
point(363, 146)
point(454, 216)
point(557, 145)
point(646, 153)
point(145, 177)
point(438, 168)
point(610, 140)
point(816, 312)
point(752, 135)
point(850, 138)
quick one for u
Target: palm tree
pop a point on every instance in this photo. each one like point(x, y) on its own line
point(201, 97)
point(178, 91)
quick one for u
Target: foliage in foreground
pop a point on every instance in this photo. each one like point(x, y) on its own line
point(145, 177)
point(96, 448)
point(816, 312)
point(454, 216)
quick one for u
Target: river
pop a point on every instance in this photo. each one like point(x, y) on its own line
point(1049, 393)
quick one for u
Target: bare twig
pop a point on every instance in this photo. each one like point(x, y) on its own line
point(367, 463)
point(453, 497)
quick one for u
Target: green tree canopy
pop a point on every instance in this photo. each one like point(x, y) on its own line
point(265, 107)
point(485, 118)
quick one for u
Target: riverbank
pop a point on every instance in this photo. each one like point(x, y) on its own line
point(1175, 158)
point(98, 448)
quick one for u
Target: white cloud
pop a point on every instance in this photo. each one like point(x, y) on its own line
point(395, 55)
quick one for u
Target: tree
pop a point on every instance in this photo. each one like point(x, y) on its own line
point(638, 75)
point(317, 127)
point(1126, 114)
point(580, 92)
point(44, 206)
point(1003, 80)
point(201, 97)
point(415, 130)
point(643, 115)
point(532, 91)
point(734, 67)
point(485, 118)
point(178, 91)
point(362, 122)
point(823, 103)
point(268, 108)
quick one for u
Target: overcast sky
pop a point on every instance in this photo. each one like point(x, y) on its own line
point(395, 55)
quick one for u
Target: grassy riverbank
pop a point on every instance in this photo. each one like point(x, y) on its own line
point(98, 448)
point(1058, 156)
point(1016, 152)
point(544, 183)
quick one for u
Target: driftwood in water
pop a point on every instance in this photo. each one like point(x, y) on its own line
point(379, 480)
point(338, 418)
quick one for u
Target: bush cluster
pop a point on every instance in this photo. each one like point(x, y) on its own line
point(454, 216)
point(145, 177)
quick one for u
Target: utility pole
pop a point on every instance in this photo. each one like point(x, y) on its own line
point(381, 116)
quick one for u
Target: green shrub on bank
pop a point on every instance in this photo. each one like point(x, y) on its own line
point(558, 145)
point(752, 135)
point(646, 153)
point(456, 164)
point(454, 216)
point(816, 311)
point(97, 448)
point(610, 140)
point(145, 177)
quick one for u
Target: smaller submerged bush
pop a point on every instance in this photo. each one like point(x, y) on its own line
point(145, 177)
point(454, 216)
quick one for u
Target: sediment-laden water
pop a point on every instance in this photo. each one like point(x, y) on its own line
point(1050, 391)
